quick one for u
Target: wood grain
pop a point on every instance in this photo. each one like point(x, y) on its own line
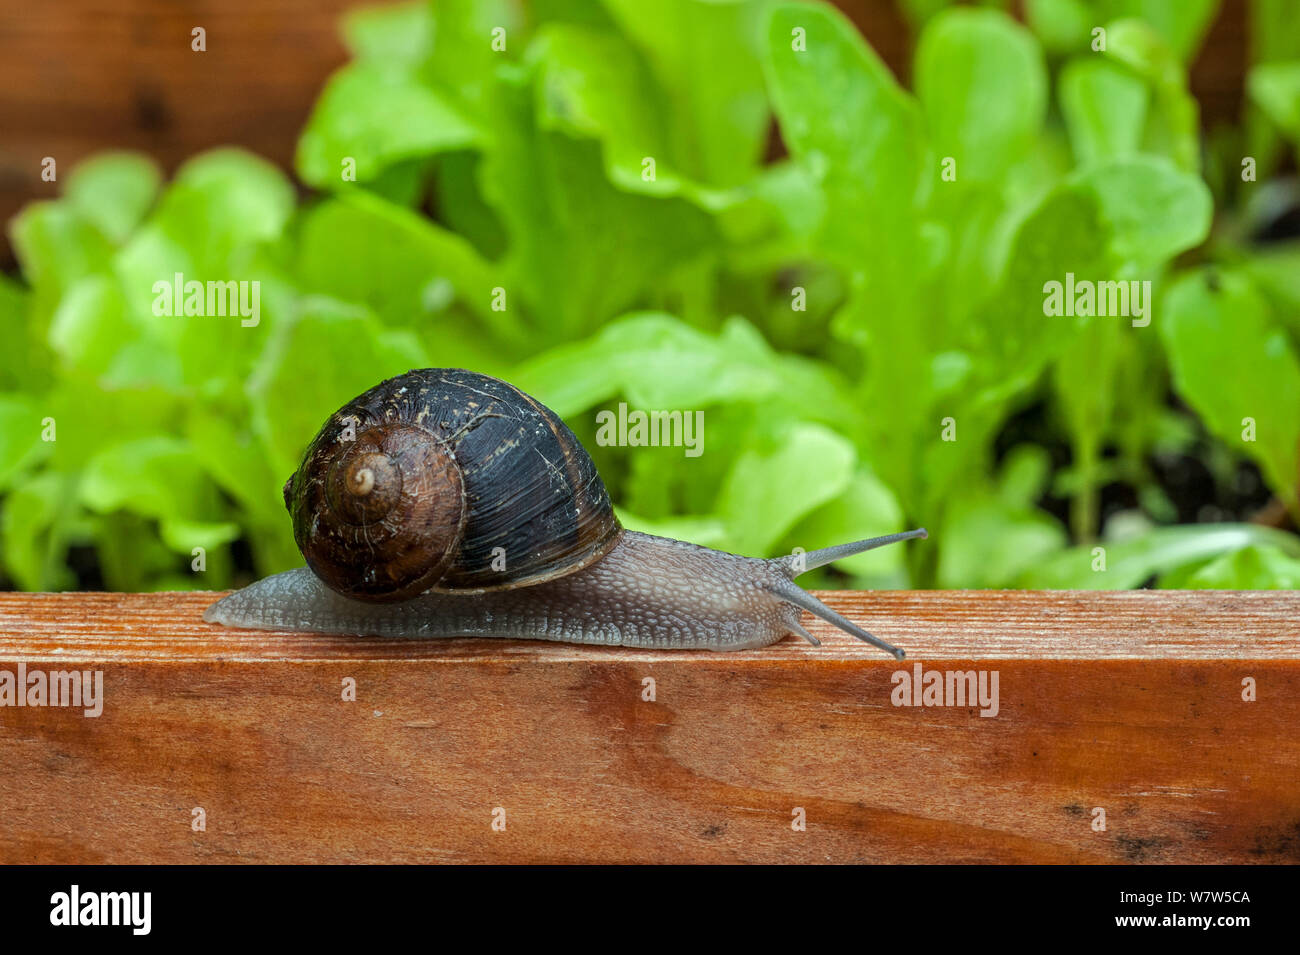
point(81, 76)
point(1131, 702)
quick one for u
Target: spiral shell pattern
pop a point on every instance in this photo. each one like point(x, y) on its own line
point(445, 479)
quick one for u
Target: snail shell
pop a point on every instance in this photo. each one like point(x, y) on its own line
point(447, 480)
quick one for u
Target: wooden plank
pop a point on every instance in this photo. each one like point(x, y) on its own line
point(81, 76)
point(1127, 702)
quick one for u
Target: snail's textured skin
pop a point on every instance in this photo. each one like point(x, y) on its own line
point(645, 592)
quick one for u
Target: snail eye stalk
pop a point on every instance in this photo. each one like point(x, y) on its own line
point(797, 627)
point(820, 558)
point(792, 593)
point(790, 567)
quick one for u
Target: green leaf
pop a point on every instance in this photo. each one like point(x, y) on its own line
point(1064, 233)
point(1257, 567)
point(982, 83)
point(114, 191)
point(221, 224)
point(591, 83)
point(20, 436)
point(846, 118)
point(1115, 218)
point(1275, 270)
point(361, 248)
point(987, 543)
point(56, 247)
point(866, 508)
point(1088, 411)
point(465, 60)
point(369, 118)
point(236, 461)
point(794, 195)
point(228, 197)
point(1108, 220)
point(1124, 564)
point(90, 324)
point(770, 489)
point(860, 138)
point(1025, 474)
point(1237, 370)
point(209, 351)
point(704, 55)
point(396, 34)
point(1272, 37)
point(183, 535)
point(919, 12)
point(1181, 24)
point(38, 520)
point(655, 360)
point(1063, 26)
point(462, 207)
point(659, 363)
point(291, 398)
point(1153, 210)
point(1174, 120)
point(705, 531)
point(89, 416)
point(989, 535)
point(805, 388)
point(24, 361)
point(554, 200)
point(1105, 109)
point(132, 553)
point(155, 477)
point(1275, 87)
point(222, 211)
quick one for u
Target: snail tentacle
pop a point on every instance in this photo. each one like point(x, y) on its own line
point(794, 594)
point(820, 558)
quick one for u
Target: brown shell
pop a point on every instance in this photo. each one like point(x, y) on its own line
point(436, 479)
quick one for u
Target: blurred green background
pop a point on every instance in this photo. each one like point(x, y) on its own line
point(798, 267)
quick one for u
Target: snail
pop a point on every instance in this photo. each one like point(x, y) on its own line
point(446, 503)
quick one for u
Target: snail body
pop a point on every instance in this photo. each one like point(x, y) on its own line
point(444, 503)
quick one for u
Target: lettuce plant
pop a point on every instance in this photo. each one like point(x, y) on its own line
point(730, 207)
